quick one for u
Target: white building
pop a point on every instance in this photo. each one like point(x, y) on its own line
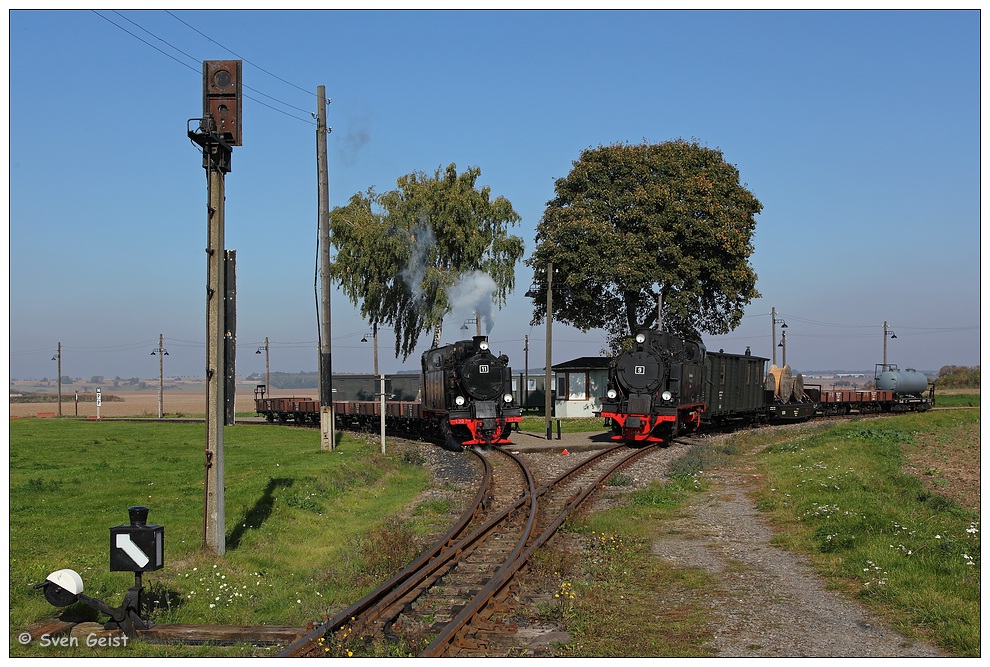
point(579, 387)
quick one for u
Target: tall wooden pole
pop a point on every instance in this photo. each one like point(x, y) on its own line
point(524, 390)
point(548, 401)
point(374, 338)
point(268, 377)
point(773, 334)
point(161, 376)
point(219, 130)
point(59, 369)
point(885, 334)
point(214, 537)
point(328, 437)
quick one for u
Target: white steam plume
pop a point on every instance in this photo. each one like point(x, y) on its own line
point(422, 239)
point(474, 293)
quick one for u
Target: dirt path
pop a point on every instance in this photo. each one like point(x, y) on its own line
point(769, 603)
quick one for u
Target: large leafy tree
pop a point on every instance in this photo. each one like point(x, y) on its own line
point(401, 253)
point(632, 226)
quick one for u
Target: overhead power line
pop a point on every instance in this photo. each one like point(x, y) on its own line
point(239, 56)
point(307, 120)
point(143, 41)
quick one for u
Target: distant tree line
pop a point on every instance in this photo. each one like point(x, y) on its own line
point(959, 377)
point(301, 380)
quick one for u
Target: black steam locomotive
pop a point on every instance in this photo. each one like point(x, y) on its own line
point(655, 390)
point(666, 386)
point(467, 393)
point(466, 399)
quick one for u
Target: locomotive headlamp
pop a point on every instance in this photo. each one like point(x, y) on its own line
point(640, 338)
point(459, 400)
point(666, 396)
point(483, 345)
point(507, 398)
point(611, 393)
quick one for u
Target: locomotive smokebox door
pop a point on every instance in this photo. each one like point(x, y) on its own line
point(137, 547)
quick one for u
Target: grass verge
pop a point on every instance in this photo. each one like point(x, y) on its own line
point(843, 497)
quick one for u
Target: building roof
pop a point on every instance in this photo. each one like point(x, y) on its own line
point(583, 364)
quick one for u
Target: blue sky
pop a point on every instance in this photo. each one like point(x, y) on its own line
point(859, 131)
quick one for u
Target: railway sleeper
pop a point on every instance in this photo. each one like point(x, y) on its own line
point(475, 567)
point(462, 590)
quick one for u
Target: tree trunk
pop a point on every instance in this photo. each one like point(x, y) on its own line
point(632, 301)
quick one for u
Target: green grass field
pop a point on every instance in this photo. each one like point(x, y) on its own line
point(301, 525)
point(310, 532)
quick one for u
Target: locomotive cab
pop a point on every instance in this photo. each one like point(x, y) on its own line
point(655, 390)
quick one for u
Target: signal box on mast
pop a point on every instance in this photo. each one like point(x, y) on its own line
point(222, 98)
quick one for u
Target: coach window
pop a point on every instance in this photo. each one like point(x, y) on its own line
point(722, 372)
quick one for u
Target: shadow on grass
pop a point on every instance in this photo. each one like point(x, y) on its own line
point(258, 514)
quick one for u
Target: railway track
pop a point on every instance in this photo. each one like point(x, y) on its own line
point(447, 602)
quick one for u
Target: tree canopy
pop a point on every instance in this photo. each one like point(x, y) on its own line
point(634, 224)
point(405, 255)
point(959, 377)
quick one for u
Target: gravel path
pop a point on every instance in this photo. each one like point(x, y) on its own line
point(769, 603)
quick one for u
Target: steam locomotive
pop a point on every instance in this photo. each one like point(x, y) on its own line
point(466, 400)
point(467, 393)
point(666, 386)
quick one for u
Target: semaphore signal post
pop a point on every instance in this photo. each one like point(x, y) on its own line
point(218, 132)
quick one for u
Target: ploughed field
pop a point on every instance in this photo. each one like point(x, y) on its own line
point(143, 403)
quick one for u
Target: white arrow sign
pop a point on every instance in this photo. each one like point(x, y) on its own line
point(132, 550)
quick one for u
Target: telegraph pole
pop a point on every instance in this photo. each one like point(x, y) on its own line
point(773, 334)
point(161, 375)
point(219, 131)
point(524, 390)
point(886, 332)
point(59, 359)
point(327, 435)
point(374, 338)
point(268, 377)
point(547, 402)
